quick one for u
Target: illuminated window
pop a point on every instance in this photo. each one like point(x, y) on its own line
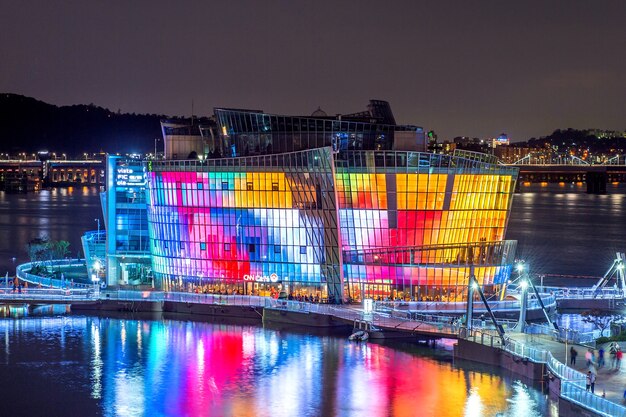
point(302, 250)
point(276, 248)
point(202, 246)
point(226, 247)
point(274, 186)
point(225, 185)
point(249, 186)
point(251, 248)
point(199, 186)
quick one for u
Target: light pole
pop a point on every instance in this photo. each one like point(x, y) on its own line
point(98, 220)
point(155, 147)
point(95, 277)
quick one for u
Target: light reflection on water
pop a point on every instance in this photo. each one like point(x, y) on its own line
point(126, 367)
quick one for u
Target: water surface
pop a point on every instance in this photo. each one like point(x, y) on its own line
point(77, 365)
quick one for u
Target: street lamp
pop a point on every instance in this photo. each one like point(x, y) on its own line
point(155, 147)
point(95, 276)
point(98, 220)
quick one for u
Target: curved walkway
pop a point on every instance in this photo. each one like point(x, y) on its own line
point(610, 382)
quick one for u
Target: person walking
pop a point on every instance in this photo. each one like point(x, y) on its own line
point(589, 380)
point(592, 381)
point(618, 356)
point(572, 355)
point(613, 353)
point(589, 357)
point(600, 358)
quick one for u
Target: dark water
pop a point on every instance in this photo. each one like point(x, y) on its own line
point(563, 230)
point(94, 366)
point(58, 214)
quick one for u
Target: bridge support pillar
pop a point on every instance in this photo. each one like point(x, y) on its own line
point(596, 182)
point(521, 324)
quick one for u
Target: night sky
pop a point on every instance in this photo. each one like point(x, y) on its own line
point(473, 68)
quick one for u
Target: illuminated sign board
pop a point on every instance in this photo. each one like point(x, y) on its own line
point(261, 278)
point(130, 176)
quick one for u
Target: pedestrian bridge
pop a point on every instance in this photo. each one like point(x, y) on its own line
point(40, 296)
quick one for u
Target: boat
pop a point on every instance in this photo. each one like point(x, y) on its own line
point(359, 336)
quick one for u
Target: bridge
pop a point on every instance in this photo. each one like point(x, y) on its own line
point(23, 175)
point(533, 169)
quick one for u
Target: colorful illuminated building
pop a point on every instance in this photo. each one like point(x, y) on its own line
point(330, 207)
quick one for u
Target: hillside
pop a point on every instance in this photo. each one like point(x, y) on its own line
point(30, 125)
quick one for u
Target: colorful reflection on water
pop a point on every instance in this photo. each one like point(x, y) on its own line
point(74, 365)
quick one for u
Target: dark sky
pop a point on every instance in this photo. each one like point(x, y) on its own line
point(474, 68)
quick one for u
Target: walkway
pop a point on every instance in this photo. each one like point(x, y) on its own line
point(610, 381)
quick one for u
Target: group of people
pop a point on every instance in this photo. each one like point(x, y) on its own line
point(595, 360)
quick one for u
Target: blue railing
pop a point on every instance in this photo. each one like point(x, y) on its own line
point(50, 281)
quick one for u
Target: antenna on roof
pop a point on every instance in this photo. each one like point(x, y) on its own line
point(191, 111)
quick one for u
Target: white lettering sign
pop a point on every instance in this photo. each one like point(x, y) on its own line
point(261, 278)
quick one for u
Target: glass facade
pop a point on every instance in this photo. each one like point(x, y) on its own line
point(127, 241)
point(326, 207)
point(247, 133)
point(256, 225)
point(399, 224)
point(411, 222)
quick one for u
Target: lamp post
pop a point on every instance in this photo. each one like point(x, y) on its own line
point(155, 147)
point(98, 220)
point(95, 277)
point(523, 284)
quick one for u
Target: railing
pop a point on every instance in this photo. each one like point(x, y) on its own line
point(445, 327)
point(183, 297)
point(579, 395)
point(49, 281)
point(37, 294)
point(460, 307)
point(520, 349)
point(582, 292)
point(564, 372)
point(481, 336)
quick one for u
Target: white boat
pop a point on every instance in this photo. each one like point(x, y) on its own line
point(359, 336)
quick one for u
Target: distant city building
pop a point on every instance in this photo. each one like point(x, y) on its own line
point(502, 139)
point(472, 144)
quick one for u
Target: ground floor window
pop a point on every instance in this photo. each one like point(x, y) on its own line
point(356, 291)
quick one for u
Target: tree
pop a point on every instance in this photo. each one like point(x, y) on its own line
point(601, 319)
point(42, 249)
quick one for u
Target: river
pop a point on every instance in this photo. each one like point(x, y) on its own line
point(103, 366)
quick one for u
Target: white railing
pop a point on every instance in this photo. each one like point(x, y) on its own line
point(520, 349)
point(582, 292)
point(579, 395)
point(36, 294)
point(549, 301)
point(183, 297)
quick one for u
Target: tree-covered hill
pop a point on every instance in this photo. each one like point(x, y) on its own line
point(30, 125)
